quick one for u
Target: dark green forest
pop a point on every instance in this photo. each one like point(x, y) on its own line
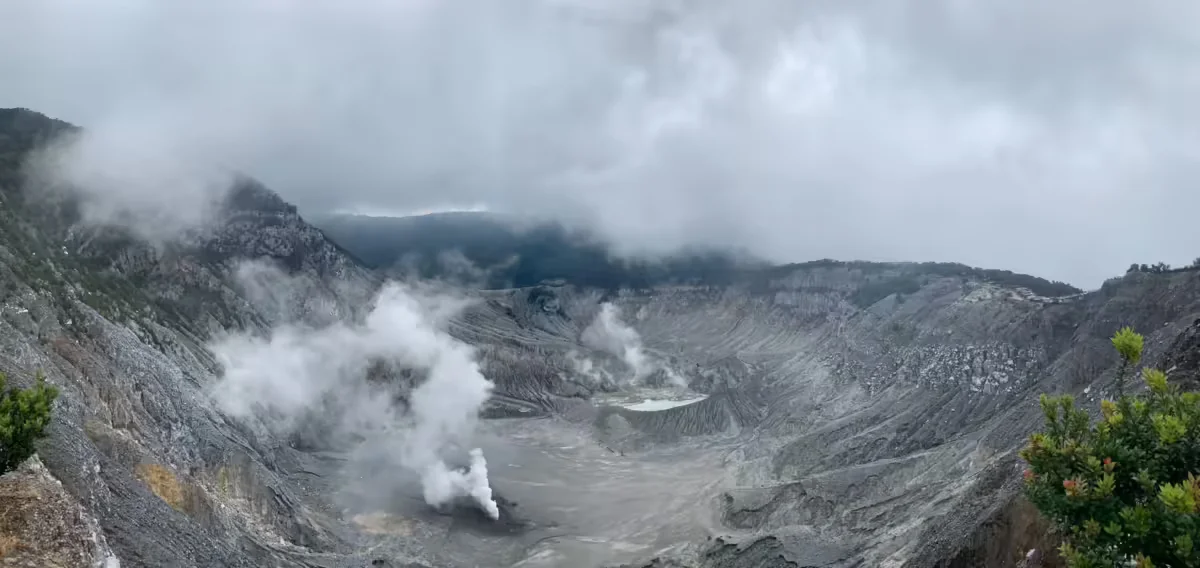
point(515, 256)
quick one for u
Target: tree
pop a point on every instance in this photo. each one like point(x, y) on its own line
point(24, 414)
point(1124, 488)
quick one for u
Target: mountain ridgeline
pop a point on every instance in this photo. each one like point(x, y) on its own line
point(519, 256)
point(500, 253)
point(848, 413)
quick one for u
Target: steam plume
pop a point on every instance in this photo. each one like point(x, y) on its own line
point(609, 334)
point(443, 485)
point(298, 368)
point(583, 367)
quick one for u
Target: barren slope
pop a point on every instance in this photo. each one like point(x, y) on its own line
point(883, 433)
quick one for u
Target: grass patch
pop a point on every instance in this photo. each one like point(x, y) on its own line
point(9, 544)
point(223, 481)
point(163, 483)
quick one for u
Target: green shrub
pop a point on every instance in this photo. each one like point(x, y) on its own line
point(24, 414)
point(1121, 489)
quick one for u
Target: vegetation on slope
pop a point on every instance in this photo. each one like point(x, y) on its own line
point(1163, 268)
point(24, 414)
point(1124, 488)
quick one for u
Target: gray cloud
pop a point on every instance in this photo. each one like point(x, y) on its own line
point(1052, 138)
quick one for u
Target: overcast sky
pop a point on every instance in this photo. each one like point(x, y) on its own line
point(1056, 138)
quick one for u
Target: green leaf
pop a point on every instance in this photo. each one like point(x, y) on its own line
point(1184, 545)
point(1108, 482)
point(1156, 380)
point(1128, 344)
point(1177, 498)
point(1170, 429)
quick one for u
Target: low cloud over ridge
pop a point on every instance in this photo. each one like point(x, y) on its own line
point(1055, 139)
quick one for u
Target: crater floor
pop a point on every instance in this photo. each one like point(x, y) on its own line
point(566, 500)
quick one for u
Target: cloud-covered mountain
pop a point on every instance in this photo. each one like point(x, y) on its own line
point(497, 251)
point(878, 130)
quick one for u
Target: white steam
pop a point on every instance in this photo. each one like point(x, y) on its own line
point(609, 334)
point(299, 368)
point(584, 367)
point(134, 178)
point(442, 485)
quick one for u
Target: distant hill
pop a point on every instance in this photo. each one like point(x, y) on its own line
point(505, 254)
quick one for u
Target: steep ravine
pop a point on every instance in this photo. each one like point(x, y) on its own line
point(844, 425)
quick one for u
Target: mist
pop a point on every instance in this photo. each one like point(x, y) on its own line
point(297, 372)
point(592, 374)
point(608, 333)
point(137, 180)
point(1055, 139)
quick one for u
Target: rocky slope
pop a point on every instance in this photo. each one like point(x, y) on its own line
point(855, 414)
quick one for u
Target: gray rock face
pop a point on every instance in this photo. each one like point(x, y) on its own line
point(842, 424)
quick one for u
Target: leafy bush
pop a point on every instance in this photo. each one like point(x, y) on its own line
point(1123, 489)
point(24, 414)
